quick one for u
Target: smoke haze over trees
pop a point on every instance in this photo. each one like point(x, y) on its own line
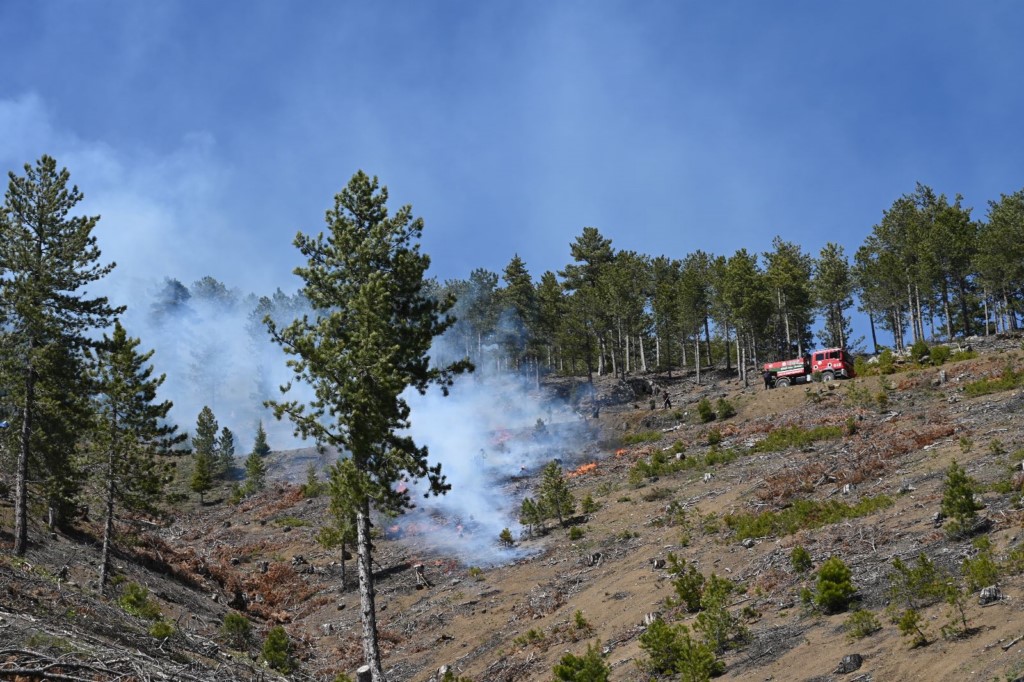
point(930, 269)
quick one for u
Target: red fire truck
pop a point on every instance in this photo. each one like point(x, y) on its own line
point(829, 363)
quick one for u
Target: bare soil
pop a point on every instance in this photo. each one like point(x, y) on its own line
point(514, 621)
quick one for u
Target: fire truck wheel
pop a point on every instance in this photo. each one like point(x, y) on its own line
point(782, 382)
point(827, 377)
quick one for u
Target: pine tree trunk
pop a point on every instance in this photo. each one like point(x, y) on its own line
point(962, 296)
point(657, 351)
point(707, 341)
point(1011, 316)
point(343, 576)
point(728, 355)
point(985, 299)
point(910, 303)
point(785, 322)
point(874, 336)
point(643, 359)
point(21, 482)
point(920, 315)
point(108, 524)
point(739, 360)
point(946, 311)
point(367, 596)
point(696, 354)
point(626, 358)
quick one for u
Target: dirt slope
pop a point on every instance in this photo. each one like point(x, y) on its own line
point(514, 621)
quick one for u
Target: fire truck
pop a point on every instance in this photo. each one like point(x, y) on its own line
point(830, 363)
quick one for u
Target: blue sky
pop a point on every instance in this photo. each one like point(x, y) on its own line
point(208, 133)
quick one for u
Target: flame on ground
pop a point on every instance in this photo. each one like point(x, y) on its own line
point(582, 469)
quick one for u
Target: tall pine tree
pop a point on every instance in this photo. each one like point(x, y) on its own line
point(132, 432)
point(367, 343)
point(47, 258)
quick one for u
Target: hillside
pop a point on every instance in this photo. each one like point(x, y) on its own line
point(726, 507)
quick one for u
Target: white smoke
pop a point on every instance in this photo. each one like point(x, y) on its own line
point(491, 433)
point(216, 353)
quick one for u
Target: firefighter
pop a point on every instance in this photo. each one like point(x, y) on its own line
point(668, 401)
point(767, 380)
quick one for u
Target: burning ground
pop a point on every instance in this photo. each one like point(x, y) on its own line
point(498, 614)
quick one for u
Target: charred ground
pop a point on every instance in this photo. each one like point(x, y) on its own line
point(896, 437)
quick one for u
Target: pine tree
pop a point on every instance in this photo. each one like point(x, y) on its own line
point(554, 494)
point(202, 474)
point(260, 446)
point(225, 452)
point(366, 344)
point(530, 514)
point(47, 258)
point(587, 668)
point(958, 503)
point(832, 285)
point(205, 438)
point(205, 462)
point(132, 432)
point(255, 473)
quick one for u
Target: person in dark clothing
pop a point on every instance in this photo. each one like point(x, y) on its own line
point(668, 401)
point(767, 380)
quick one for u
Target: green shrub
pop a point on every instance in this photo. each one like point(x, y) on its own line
point(834, 588)
point(587, 668)
point(1007, 380)
point(911, 625)
point(787, 437)
point(687, 581)
point(505, 538)
point(802, 515)
point(725, 409)
point(661, 642)
point(705, 411)
point(981, 570)
point(917, 585)
point(861, 623)
point(862, 368)
point(580, 622)
point(656, 493)
point(800, 559)
point(671, 650)
point(851, 426)
point(588, 505)
point(161, 629)
point(313, 487)
point(642, 437)
point(529, 637)
point(886, 362)
point(135, 600)
point(276, 651)
point(958, 502)
point(715, 456)
point(714, 437)
point(919, 351)
point(718, 626)
point(963, 355)
point(236, 629)
point(940, 355)
point(576, 533)
point(291, 522)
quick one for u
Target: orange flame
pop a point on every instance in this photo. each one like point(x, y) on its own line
point(582, 469)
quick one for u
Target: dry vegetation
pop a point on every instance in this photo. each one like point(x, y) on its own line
point(865, 489)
